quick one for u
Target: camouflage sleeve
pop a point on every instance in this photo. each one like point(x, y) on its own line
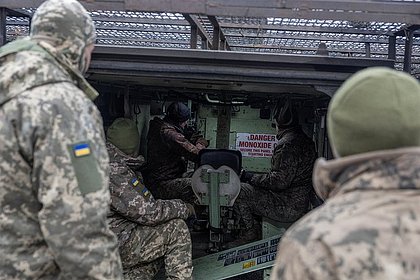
point(72, 190)
point(139, 206)
point(283, 169)
point(297, 261)
point(145, 211)
point(180, 144)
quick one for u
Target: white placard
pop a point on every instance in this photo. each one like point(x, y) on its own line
point(255, 144)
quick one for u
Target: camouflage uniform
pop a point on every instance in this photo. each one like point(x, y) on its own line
point(167, 153)
point(368, 227)
point(283, 193)
point(54, 193)
point(147, 229)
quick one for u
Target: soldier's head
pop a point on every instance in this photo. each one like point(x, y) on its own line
point(375, 109)
point(285, 115)
point(123, 133)
point(178, 113)
point(66, 25)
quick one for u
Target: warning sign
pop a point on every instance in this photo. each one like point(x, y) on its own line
point(255, 145)
point(236, 261)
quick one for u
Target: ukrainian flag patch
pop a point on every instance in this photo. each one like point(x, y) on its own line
point(135, 182)
point(81, 150)
point(145, 191)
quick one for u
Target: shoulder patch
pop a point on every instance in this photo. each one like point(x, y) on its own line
point(85, 167)
point(135, 182)
point(145, 191)
point(141, 187)
point(81, 150)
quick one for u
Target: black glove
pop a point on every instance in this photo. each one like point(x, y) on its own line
point(246, 176)
point(191, 210)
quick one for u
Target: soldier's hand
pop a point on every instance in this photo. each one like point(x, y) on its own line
point(245, 176)
point(202, 142)
point(191, 210)
point(200, 147)
point(195, 136)
point(198, 138)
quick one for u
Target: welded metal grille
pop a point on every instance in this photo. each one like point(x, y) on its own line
point(247, 34)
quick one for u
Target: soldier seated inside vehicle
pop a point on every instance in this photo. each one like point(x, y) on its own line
point(283, 194)
point(168, 150)
point(150, 231)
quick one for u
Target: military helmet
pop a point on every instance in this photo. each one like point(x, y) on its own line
point(285, 114)
point(178, 112)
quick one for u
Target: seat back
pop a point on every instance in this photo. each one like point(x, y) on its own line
point(219, 157)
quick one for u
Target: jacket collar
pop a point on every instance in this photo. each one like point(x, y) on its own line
point(117, 156)
point(42, 66)
point(379, 170)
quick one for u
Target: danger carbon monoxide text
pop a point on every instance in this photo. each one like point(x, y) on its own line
point(261, 137)
point(260, 145)
point(256, 145)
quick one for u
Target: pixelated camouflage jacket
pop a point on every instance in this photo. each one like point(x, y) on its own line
point(53, 222)
point(132, 204)
point(167, 151)
point(292, 163)
point(368, 228)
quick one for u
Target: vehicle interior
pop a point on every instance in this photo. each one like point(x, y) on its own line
point(231, 62)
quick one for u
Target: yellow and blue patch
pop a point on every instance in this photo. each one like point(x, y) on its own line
point(135, 182)
point(81, 150)
point(145, 191)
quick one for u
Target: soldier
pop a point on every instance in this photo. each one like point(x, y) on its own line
point(54, 194)
point(147, 229)
point(168, 150)
point(368, 227)
point(283, 193)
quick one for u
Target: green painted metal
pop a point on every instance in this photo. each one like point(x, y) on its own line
point(244, 120)
point(210, 131)
point(252, 126)
point(214, 178)
point(214, 201)
point(214, 207)
point(272, 228)
point(223, 127)
point(237, 261)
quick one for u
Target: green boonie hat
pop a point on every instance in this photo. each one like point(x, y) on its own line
point(375, 109)
point(123, 133)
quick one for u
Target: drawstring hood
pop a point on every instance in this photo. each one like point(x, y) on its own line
point(60, 32)
point(68, 29)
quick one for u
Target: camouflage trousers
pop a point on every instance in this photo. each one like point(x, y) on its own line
point(180, 188)
point(253, 202)
point(150, 247)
